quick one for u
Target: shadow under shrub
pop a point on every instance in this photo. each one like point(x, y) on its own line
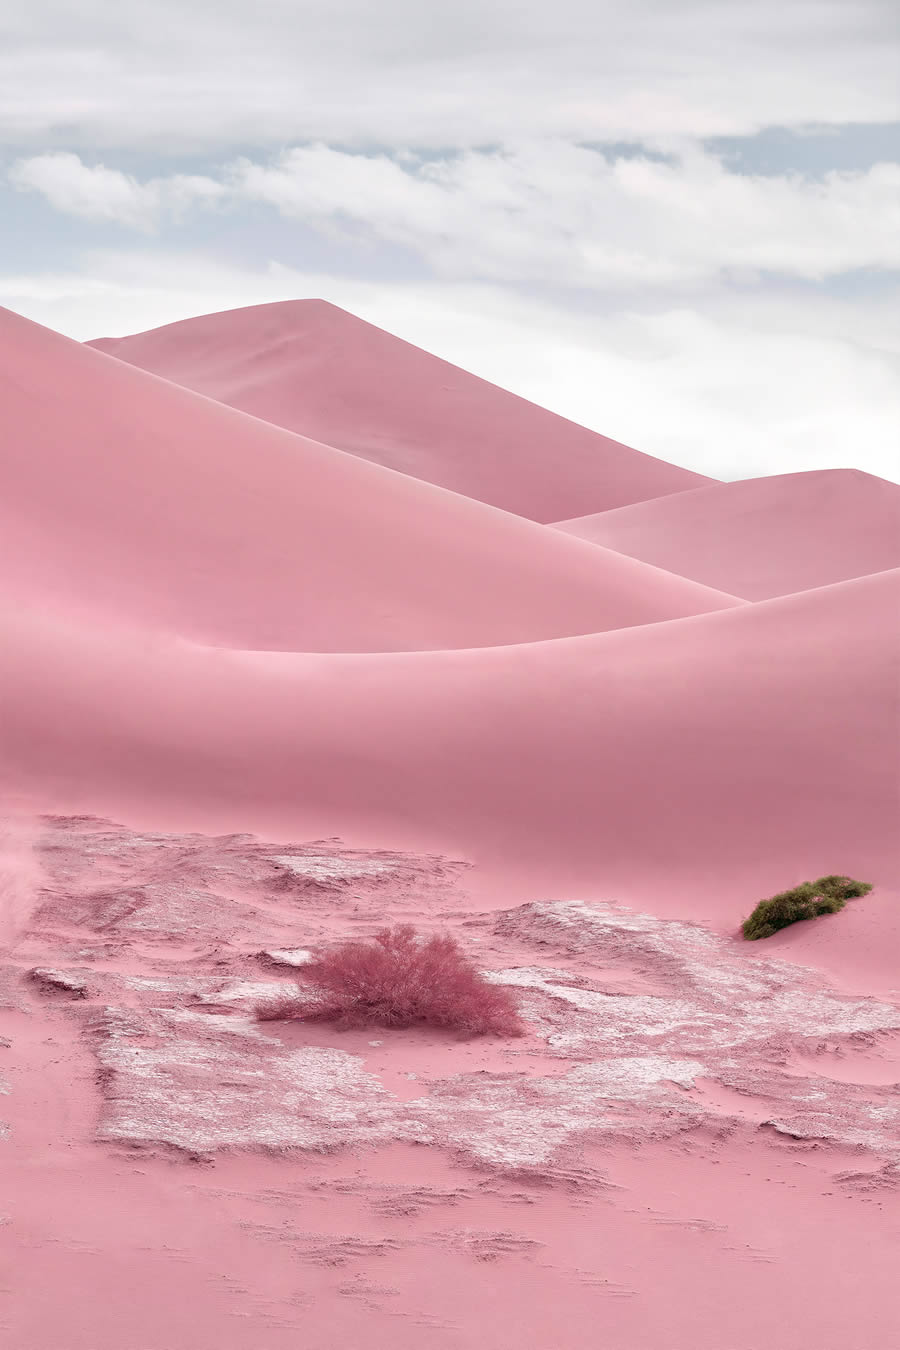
point(807, 901)
point(400, 979)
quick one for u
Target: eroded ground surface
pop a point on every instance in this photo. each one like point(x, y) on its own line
point(688, 1137)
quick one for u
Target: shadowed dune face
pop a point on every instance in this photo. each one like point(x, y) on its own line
point(129, 498)
point(762, 538)
point(318, 698)
point(313, 368)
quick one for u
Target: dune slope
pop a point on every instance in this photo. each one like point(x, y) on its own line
point(763, 537)
point(126, 496)
point(716, 758)
point(315, 369)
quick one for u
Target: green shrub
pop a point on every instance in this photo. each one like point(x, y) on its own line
point(807, 901)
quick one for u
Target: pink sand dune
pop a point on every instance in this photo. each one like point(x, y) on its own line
point(315, 369)
point(127, 496)
point(211, 623)
point(698, 764)
point(763, 537)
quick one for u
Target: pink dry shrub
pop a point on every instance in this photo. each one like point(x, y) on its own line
point(401, 980)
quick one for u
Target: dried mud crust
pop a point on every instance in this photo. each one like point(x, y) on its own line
point(163, 946)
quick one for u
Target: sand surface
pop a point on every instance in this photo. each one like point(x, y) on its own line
point(315, 369)
point(141, 503)
point(763, 537)
point(261, 694)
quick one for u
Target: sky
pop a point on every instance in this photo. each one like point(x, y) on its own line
point(675, 221)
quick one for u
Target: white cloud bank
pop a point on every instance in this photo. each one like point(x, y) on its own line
point(548, 212)
point(571, 215)
point(101, 194)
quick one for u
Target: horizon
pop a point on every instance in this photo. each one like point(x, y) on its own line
point(677, 227)
point(209, 314)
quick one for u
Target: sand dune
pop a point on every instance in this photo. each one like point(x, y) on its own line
point(312, 696)
point(124, 495)
point(763, 537)
point(315, 369)
point(710, 759)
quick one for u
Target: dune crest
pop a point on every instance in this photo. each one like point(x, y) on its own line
point(763, 537)
point(129, 498)
point(313, 368)
point(708, 757)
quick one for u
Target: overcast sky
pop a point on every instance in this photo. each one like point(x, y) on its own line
point(677, 221)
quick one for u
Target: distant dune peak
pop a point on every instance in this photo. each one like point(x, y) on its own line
point(130, 498)
point(762, 537)
point(316, 369)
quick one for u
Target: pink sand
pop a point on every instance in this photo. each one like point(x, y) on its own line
point(705, 758)
point(129, 498)
point(233, 641)
point(317, 370)
point(764, 537)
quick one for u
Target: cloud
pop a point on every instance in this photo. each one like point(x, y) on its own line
point(569, 214)
point(545, 213)
point(734, 386)
point(220, 73)
point(101, 194)
point(527, 189)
